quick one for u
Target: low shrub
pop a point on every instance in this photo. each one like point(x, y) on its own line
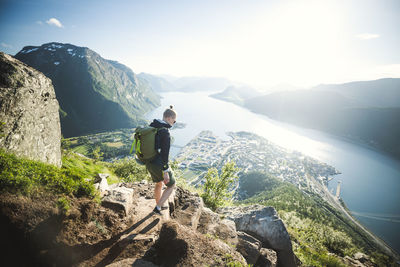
point(129, 170)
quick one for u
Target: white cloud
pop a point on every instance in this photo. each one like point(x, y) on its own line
point(367, 36)
point(54, 22)
point(6, 45)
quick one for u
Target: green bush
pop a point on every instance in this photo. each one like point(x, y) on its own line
point(216, 186)
point(129, 170)
point(20, 175)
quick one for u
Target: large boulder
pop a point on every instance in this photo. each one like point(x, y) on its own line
point(188, 208)
point(29, 112)
point(263, 222)
point(249, 247)
point(210, 223)
point(119, 199)
point(180, 245)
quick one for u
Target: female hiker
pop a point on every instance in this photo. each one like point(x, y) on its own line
point(159, 168)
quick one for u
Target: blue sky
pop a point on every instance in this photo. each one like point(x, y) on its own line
point(256, 42)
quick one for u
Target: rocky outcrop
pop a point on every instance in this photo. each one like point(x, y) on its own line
point(210, 223)
point(249, 247)
point(182, 246)
point(359, 260)
point(186, 234)
point(188, 208)
point(264, 224)
point(29, 112)
point(251, 244)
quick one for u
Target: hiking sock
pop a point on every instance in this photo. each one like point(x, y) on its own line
point(158, 207)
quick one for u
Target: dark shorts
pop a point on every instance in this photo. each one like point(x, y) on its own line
point(155, 169)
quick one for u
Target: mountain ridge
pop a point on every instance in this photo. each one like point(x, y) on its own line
point(95, 94)
point(369, 119)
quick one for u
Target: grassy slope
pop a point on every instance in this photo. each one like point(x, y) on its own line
point(74, 178)
point(20, 175)
point(315, 227)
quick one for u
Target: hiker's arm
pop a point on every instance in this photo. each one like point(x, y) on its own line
point(165, 142)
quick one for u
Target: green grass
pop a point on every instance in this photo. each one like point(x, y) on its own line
point(82, 149)
point(20, 175)
point(88, 167)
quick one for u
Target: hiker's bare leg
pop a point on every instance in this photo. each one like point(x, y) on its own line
point(167, 192)
point(157, 191)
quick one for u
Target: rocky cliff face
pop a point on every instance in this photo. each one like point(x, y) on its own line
point(30, 123)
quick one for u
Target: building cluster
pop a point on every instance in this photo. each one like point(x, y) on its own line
point(251, 152)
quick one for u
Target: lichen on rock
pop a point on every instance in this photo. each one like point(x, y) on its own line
point(30, 123)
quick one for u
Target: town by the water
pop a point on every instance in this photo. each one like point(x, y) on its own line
point(251, 152)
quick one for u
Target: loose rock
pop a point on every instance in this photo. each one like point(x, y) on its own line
point(119, 199)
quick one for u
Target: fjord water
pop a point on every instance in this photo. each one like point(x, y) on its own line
point(370, 180)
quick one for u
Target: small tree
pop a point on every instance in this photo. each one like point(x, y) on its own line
point(216, 187)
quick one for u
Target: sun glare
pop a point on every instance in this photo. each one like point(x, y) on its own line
point(299, 43)
point(296, 44)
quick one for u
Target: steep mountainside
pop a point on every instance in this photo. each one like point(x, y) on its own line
point(95, 94)
point(341, 114)
point(29, 120)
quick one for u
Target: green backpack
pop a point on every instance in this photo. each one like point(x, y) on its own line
point(144, 143)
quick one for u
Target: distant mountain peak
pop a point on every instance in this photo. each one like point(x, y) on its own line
point(54, 49)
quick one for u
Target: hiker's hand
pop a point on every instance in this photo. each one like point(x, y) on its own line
point(166, 177)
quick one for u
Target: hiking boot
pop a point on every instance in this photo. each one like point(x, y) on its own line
point(156, 211)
